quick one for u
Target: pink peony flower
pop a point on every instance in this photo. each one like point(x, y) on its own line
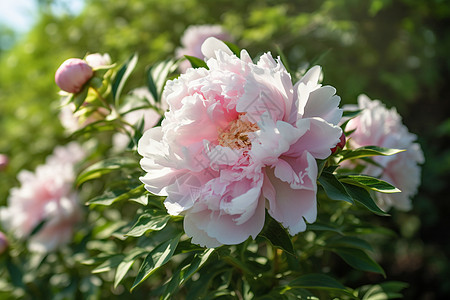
point(73, 74)
point(73, 121)
point(96, 60)
point(4, 161)
point(3, 242)
point(239, 138)
point(193, 38)
point(46, 194)
point(376, 125)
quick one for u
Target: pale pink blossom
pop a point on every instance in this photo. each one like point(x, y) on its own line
point(378, 126)
point(193, 38)
point(73, 74)
point(237, 139)
point(73, 121)
point(134, 114)
point(96, 60)
point(45, 195)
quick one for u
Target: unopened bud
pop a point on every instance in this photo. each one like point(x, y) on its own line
point(73, 74)
point(339, 145)
point(4, 161)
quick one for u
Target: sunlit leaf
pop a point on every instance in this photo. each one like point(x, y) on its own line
point(109, 264)
point(367, 151)
point(126, 264)
point(369, 182)
point(181, 276)
point(196, 62)
point(110, 197)
point(79, 98)
point(157, 76)
point(122, 76)
point(155, 259)
point(383, 291)
point(149, 220)
point(234, 48)
point(106, 166)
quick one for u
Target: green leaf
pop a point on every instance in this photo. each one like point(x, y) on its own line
point(367, 151)
point(359, 260)
point(195, 265)
point(106, 166)
point(155, 259)
point(321, 226)
point(150, 220)
point(181, 276)
point(157, 76)
point(382, 291)
point(334, 188)
point(15, 273)
point(351, 113)
point(38, 227)
point(143, 199)
point(78, 98)
point(348, 242)
point(126, 264)
point(109, 264)
point(316, 281)
point(234, 48)
point(369, 182)
point(277, 235)
point(122, 76)
point(362, 196)
point(110, 197)
point(196, 62)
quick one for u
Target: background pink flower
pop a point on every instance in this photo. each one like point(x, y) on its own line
point(193, 38)
point(376, 125)
point(238, 138)
point(149, 116)
point(46, 194)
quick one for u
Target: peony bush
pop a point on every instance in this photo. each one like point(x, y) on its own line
point(234, 179)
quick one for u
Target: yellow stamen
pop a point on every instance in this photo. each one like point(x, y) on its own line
point(235, 135)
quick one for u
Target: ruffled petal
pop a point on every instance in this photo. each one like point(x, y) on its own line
point(320, 137)
point(292, 206)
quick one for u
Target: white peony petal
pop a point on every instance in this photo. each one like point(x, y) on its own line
point(211, 45)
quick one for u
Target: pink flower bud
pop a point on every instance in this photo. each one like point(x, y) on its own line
point(4, 161)
point(3, 242)
point(339, 145)
point(73, 74)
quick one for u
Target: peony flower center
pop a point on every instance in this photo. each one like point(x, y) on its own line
point(235, 135)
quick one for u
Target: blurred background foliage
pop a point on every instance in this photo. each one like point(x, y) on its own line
point(395, 51)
